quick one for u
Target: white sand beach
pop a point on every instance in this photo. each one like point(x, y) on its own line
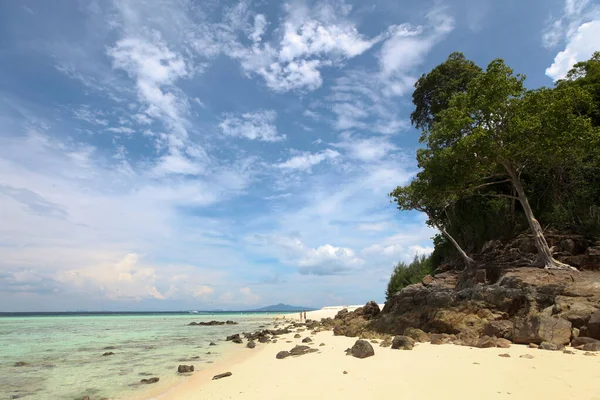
point(426, 372)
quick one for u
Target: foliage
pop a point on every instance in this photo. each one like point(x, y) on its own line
point(404, 275)
point(499, 158)
point(433, 91)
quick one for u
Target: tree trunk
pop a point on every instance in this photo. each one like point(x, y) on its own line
point(544, 253)
point(468, 260)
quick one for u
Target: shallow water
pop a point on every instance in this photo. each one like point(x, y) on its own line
point(64, 353)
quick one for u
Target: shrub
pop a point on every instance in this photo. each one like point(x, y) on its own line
point(404, 275)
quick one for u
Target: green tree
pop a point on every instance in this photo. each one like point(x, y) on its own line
point(489, 135)
point(433, 91)
point(586, 74)
point(404, 275)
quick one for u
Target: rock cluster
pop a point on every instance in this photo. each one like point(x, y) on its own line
point(212, 323)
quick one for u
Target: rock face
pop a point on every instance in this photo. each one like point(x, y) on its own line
point(223, 375)
point(538, 329)
point(150, 380)
point(520, 304)
point(182, 369)
point(362, 349)
point(402, 343)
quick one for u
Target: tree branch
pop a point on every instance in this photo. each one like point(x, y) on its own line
point(489, 184)
point(508, 196)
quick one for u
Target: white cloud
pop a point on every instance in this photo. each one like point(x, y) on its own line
point(204, 292)
point(121, 129)
point(311, 39)
point(407, 48)
point(368, 149)
point(328, 259)
point(259, 125)
point(306, 160)
point(580, 47)
point(575, 13)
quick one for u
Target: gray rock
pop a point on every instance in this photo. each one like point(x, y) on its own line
point(301, 350)
point(551, 346)
point(251, 344)
point(362, 349)
point(582, 340)
point(538, 329)
point(282, 354)
point(150, 380)
point(182, 369)
point(591, 346)
point(402, 343)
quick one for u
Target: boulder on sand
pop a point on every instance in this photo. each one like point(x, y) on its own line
point(282, 354)
point(361, 349)
point(402, 343)
point(223, 375)
point(182, 369)
point(251, 344)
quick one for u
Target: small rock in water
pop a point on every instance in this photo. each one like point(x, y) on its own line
point(182, 369)
point(529, 356)
point(223, 375)
point(154, 379)
point(505, 355)
point(212, 344)
point(109, 348)
point(108, 353)
point(306, 340)
point(21, 364)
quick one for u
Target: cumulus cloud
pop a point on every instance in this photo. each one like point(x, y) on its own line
point(259, 125)
point(328, 260)
point(306, 160)
point(580, 47)
point(578, 28)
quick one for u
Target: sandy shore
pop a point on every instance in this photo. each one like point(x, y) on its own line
point(427, 372)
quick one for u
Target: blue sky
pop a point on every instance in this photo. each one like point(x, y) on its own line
point(180, 154)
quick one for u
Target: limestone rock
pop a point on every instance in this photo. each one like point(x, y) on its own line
point(402, 343)
point(362, 349)
point(538, 329)
point(500, 329)
point(416, 334)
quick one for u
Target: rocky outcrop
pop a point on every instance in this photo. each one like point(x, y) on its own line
point(361, 349)
point(524, 305)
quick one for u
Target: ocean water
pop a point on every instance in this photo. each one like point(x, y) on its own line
point(64, 352)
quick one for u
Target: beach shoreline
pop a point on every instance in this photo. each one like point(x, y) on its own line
point(428, 371)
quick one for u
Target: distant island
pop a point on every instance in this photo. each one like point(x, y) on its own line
point(282, 307)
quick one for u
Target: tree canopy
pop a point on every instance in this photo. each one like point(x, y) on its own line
point(491, 145)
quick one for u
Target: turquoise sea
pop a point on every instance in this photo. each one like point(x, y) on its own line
point(63, 353)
